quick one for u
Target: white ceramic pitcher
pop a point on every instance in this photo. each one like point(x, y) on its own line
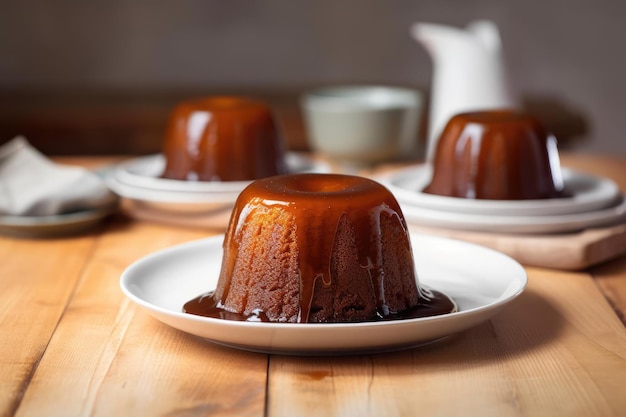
point(468, 74)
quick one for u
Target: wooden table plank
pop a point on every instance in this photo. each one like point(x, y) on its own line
point(611, 276)
point(37, 279)
point(557, 350)
point(107, 358)
point(611, 279)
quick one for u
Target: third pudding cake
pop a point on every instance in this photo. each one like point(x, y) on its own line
point(497, 155)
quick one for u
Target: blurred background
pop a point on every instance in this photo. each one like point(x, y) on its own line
point(81, 77)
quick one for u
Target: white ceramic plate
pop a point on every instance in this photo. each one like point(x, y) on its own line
point(589, 193)
point(183, 203)
point(57, 225)
point(481, 281)
point(515, 224)
point(208, 210)
point(179, 199)
point(145, 172)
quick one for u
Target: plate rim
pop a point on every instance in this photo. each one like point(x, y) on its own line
point(121, 173)
point(554, 206)
point(54, 225)
point(572, 222)
point(173, 197)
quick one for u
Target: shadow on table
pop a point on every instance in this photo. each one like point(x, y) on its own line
point(528, 323)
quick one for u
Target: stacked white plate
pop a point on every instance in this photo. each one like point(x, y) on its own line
point(594, 201)
point(188, 203)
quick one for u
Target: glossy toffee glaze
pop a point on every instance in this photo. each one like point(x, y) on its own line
point(497, 155)
point(222, 139)
point(317, 202)
point(432, 303)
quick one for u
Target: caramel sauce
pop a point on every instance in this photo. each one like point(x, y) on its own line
point(317, 202)
point(497, 155)
point(222, 139)
point(434, 304)
point(317, 375)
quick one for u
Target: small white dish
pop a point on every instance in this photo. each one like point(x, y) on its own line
point(589, 193)
point(360, 125)
point(145, 173)
point(55, 225)
point(481, 282)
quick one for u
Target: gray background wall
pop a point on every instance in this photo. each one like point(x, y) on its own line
point(566, 57)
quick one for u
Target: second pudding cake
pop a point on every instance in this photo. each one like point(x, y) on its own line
point(222, 138)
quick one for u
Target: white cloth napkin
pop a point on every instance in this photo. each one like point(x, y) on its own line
point(32, 185)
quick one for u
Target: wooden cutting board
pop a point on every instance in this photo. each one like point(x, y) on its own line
point(566, 251)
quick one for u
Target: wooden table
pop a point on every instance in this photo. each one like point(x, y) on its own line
point(72, 345)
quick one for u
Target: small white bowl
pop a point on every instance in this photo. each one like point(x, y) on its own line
point(363, 125)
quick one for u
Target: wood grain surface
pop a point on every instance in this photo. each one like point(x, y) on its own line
point(71, 344)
